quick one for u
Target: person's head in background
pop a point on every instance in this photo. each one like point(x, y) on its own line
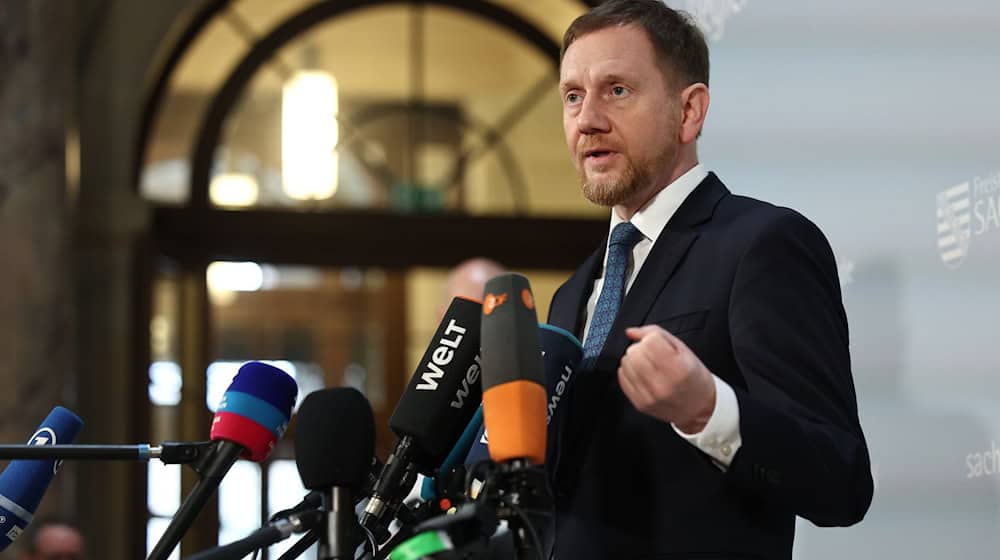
point(468, 279)
point(52, 538)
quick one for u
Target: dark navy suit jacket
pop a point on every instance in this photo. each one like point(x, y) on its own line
point(752, 289)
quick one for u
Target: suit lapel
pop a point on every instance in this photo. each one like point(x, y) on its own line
point(668, 252)
point(567, 312)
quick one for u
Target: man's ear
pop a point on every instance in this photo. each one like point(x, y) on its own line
point(694, 108)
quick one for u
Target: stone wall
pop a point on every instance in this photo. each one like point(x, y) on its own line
point(37, 335)
point(72, 77)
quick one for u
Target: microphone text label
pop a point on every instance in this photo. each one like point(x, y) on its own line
point(559, 390)
point(471, 378)
point(441, 356)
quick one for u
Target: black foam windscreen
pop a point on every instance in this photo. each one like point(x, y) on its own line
point(511, 348)
point(334, 439)
point(513, 379)
point(444, 393)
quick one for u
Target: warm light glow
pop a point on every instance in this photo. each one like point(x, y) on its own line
point(234, 277)
point(233, 189)
point(309, 135)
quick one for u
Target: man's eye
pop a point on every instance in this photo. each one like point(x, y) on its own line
point(618, 91)
point(572, 98)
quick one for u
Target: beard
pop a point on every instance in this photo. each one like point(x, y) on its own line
point(612, 191)
point(635, 179)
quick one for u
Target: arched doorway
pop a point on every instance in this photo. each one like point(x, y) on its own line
point(447, 144)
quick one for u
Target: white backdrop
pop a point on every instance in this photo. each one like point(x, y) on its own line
point(859, 114)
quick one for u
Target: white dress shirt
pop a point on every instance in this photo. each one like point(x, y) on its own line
point(720, 438)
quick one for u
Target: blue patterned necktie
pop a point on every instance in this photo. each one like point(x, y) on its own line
point(623, 238)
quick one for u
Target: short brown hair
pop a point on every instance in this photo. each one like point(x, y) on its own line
point(680, 46)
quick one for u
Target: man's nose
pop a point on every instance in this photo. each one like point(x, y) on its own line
point(592, 118)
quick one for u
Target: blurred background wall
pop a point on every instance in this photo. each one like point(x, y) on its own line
point(158, 231)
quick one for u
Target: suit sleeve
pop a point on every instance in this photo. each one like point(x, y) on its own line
point(802, 443)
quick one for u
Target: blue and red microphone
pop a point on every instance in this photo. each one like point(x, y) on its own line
point(255, 410)
point(252, 416)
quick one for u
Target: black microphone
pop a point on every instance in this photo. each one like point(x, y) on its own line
point(441, 398)
point(334, 444)
point(252, 417)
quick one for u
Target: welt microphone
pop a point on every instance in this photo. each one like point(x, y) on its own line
point(334, 444)
point(252, 417)
point(514, 399)
point(23, 482)
point(441, 398)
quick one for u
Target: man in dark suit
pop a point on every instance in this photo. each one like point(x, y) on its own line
point(715, 402)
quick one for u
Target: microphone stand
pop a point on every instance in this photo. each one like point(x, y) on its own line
point(514, 492)
point(336, 534)
point(170, 453)
point(408, 524)
point(398, 472)
point(301, 546)
point(518, 490)
point(212, 468)
point(263, 537)
point(210, 459)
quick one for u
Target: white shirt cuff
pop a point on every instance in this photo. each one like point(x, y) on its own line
point(720, 438)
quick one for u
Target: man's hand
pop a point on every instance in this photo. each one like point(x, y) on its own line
point(663, 378)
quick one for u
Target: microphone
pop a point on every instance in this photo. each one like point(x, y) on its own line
point(478, 455)
point(441, 398)
point(334, 444)
point(514, 409)
point(252, 416)
point(561, 355)
point(23, 482)
point(479, 451)
point(514, 400)
point(466, 442)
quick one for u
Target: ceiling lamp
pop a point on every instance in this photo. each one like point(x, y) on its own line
point(309, 135)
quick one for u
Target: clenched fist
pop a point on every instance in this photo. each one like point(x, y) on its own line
point(663, 378)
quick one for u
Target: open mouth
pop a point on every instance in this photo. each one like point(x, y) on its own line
point(597, 155)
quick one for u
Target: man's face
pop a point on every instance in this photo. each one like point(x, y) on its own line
point(622, 124)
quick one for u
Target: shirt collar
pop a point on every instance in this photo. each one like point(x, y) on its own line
point(653, 217)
